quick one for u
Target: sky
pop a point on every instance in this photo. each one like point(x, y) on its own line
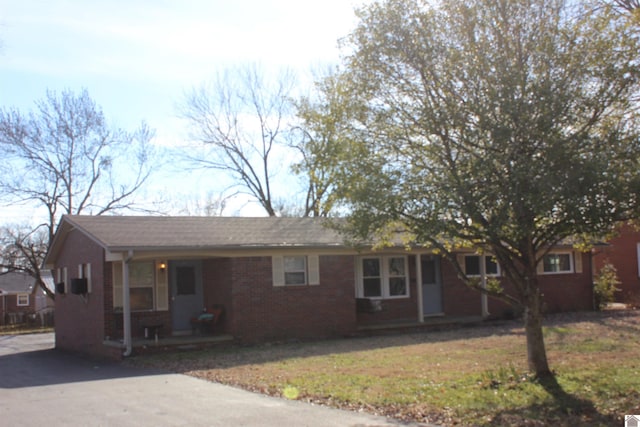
point(137, 58)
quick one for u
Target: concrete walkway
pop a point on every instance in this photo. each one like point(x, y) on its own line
point(41, 386)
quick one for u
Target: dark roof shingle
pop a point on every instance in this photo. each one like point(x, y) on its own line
point(117, 232)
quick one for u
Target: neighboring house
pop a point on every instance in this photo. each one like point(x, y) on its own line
point(277, 278)
point(623, 252)
point(20, 298)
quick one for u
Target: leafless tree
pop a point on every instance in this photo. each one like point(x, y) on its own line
point(627, 5)
point(63, 158)
point(240, 119)
point(23, 248)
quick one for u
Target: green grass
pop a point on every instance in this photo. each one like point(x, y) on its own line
point(469, 377)
point(23, 329)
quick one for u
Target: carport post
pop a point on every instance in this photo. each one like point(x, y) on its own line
point(126, 305)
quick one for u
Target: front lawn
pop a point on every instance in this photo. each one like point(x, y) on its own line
point(23, 328)
point(469, 376)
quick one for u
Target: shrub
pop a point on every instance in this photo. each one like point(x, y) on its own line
point(605, 285)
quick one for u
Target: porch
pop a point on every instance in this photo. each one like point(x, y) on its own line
point(175, 342)
point(429, 324)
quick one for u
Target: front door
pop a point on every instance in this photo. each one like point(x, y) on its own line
point(186, 293)
point(431, 285)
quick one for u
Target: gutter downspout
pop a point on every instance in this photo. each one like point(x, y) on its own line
point(126, 305)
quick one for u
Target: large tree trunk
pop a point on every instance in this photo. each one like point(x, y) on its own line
point(536, 352)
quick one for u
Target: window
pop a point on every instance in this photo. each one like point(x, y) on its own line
point(371, 277)
point(141, 280)
point(472, 265)
point(23, 299)
point(295, 270)
point(148, 285)
point(557, 263)
point(383, 277)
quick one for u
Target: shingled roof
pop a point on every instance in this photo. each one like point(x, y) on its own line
point(16, 282)
point(169, 232)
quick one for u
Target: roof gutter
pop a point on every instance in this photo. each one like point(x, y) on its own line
point(126, 305)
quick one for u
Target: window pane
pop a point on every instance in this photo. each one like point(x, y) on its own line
point(372, 287)
point(397, 286)
point(491, 266)
point(371, 267)
point(141, 274)
point(294, 263)
point(428, 271)
point(185, 280)
point(554, 263)
point(296, 278)
point(564, 262)
point(141, 298)
point(396, 266)
point(472, 265)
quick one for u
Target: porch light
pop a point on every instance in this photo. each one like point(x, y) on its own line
point(163, 266)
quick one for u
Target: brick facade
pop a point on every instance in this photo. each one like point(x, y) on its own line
point(256, 310)
point(80, 318)
point(622, 252)
point(261, 311)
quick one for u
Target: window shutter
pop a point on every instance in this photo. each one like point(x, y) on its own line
point(87, 271)
point(460, 259)
point(162, 287)
point(313, 262)
point(117, 284)
point(65, 279)
point(277, 269)
point(577, 264)
point(540, 266)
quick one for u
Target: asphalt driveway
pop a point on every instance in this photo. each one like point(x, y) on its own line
point(42, 386)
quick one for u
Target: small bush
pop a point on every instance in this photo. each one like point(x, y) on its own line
point(605, 285)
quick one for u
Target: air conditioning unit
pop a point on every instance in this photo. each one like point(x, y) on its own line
point(60, 288)
point(79, 286)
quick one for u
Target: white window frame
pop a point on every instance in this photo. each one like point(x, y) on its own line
point(288, 269)
point(22, 304)
point(160, 286)
point(311, 270)
point(571, 269)
point(385, 276)
point(483, 258)
point(133, 284)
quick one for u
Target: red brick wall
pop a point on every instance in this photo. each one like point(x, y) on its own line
point(561, 292)
point(568, 292)
point(622, 253)
point(217, 289)
point(79, 318)
point(114, 321)
point(457, 298)
point(394, 309)
point(260, 311)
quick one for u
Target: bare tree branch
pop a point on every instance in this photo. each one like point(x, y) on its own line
point(239, 121)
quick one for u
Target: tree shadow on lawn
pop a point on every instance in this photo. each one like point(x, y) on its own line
point(566, 410)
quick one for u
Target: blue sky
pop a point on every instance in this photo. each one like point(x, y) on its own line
point(138, 57)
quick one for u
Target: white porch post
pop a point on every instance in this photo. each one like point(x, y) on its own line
point(419, 288)
point(126, 305)
point(484, 302)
